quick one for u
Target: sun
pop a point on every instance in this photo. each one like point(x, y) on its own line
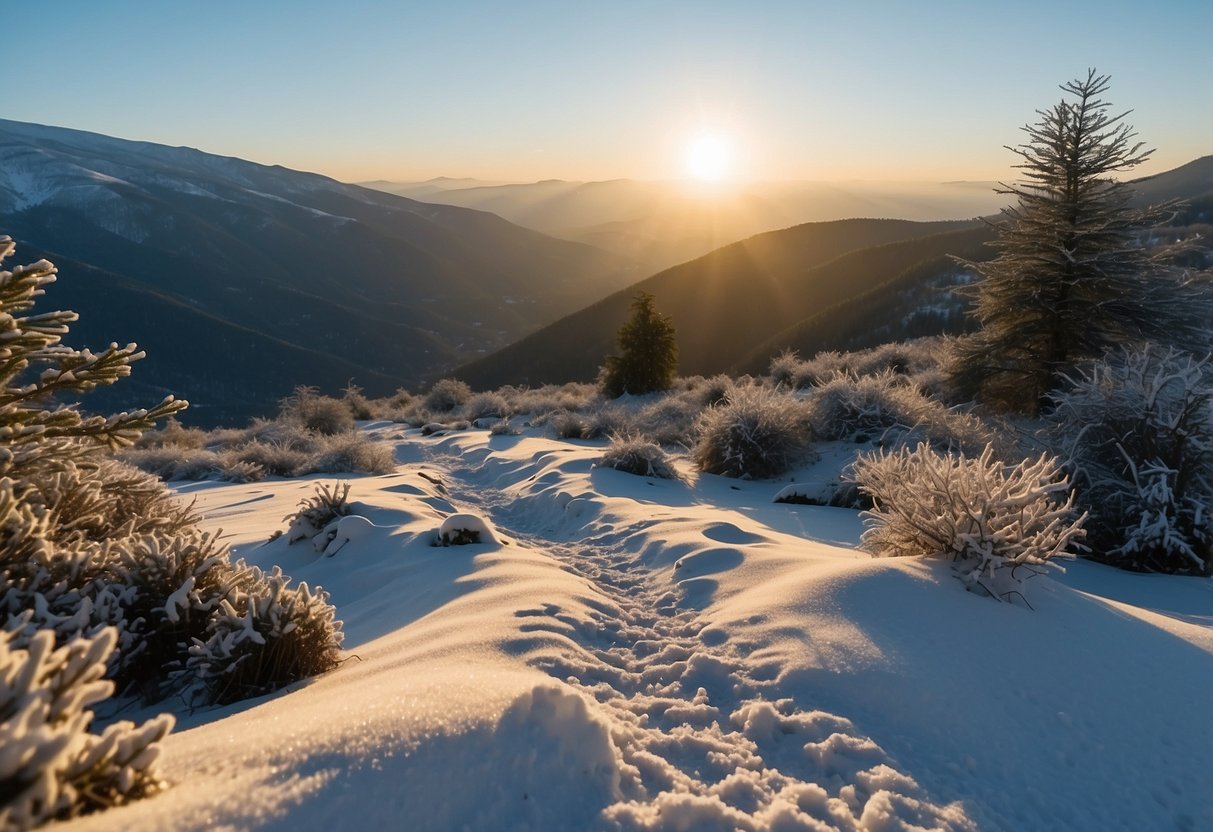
point(709, 157)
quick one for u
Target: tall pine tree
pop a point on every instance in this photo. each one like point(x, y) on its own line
point(648, 353)
point(1074, 276)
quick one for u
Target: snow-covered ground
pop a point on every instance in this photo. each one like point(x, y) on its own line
point(648, 654)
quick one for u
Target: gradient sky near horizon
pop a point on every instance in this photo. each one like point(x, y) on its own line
point(521, 91)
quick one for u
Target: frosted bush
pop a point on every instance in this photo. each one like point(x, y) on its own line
point(281, 449)
point(606, 421)
point(359, 406)
point(90, 545)
point(999, 523)
point(917, 359)
point(265, 635)
point(99, 499)
point(552, 398)
point(566, 425)
point(484, 405)
point(173, 435)
point(504, 428)
point(710, 392)
point(1137, 431)
point(350, 452)
point(275, 458)
point(51, 767)
point(239, 470)
point(639, 456)
point(316, 413)
point(757, 434)
point(318, 511)
point(166, 589)
point(447, 395)
point(669, 421)
point(784, 368)
point(888, 407)
point(788, 371)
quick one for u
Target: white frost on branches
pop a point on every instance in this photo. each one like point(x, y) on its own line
point(50, 765)
point(1137, 428)
point(999, 523)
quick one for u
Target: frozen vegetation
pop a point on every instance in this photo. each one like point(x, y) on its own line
point(552, 595)
point(949, 584)
point(634, 652)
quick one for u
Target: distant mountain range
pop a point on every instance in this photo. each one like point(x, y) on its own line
point(834, 285)
point(242, 280)
point(659, 224)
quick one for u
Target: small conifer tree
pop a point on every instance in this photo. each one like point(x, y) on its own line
point(648, 353)
point(36, 423)
point(53, 767)
point(1074, 276)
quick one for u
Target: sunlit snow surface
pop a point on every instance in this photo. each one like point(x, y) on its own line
point(646, 654)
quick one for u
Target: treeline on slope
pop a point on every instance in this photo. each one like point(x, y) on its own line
point(724, 302)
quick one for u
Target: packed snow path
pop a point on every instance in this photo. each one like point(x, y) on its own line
point(625, 653)
point(701, 746)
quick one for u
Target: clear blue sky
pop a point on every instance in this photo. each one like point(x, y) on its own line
point(527, 90)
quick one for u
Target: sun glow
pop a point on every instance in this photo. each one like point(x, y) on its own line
point(709, 157)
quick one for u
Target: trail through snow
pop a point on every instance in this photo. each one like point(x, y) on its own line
point(624, 653)
point(701, 746)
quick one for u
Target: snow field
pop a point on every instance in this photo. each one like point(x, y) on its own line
point(635, 653)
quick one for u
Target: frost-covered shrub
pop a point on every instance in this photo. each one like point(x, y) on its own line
point(712, 391)
point(100, 499)
point(859, 409)
point(275, 458)
point(888, 406)
point(504, 428)
point(918, 358)
point(232, 469)
point(484, 405)
point(1137, 430)
point(567, 425)
point(168, 588)
point(319, 414)
point(757, 434)
point(315, 513)
point(606, 421)
point(446, 395)
point(281, 449)
point(350, 452)
point(671, 420)
point(553, 398)
point(784, 368)
point(170, 463)
point(637, 455)
point(265, 635)
point(359, 405)
point(787, 370)
point(89, 545)
point(51, 767)
point(999, 523)
point(173, 435)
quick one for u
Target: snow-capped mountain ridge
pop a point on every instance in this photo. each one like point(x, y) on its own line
point(347, 283)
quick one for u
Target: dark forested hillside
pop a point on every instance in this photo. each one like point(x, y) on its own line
point(726, 304)
point(344, 281)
